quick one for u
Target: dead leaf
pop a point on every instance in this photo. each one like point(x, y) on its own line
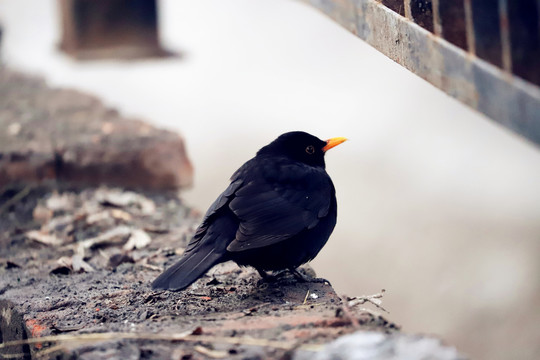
point(46, 239)
point(214, 354)
point(60, 202)
point(64, 261)
point(121, 215)
point(138, 240)
point(64, 266)
point(42, 214)
point(98, 217)
point(79, 265)
point(120, 198)
point(114, 236)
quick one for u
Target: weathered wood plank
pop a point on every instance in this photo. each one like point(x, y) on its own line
point(505, 98)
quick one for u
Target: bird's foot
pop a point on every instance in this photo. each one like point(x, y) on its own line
point(284, 275)
point(266, 277)
point(305, 278)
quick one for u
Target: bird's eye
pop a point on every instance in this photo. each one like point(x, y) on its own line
point(310, 149)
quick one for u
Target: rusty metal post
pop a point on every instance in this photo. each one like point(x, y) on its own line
point(110, 28)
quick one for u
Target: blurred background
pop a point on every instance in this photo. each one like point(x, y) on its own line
point(438, 205)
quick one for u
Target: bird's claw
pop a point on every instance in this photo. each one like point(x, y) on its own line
point(282, 276)
point(304, 278)
point(271, 278)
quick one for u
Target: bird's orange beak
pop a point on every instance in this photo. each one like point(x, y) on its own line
point(330, 143)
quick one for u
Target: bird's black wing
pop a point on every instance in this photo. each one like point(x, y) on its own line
point(207, 247)
point(272, 208)
point(219, 203)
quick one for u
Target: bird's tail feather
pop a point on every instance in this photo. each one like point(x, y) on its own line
point(187, 270)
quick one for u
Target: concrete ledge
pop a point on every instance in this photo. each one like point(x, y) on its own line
point(70, 137)
point(76, 278)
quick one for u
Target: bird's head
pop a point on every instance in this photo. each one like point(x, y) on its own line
point(301, 146)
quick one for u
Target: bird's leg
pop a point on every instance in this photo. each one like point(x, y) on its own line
point(293, 271)
point(270, 277)
point(299, 276)
point(264, 274)
point(303, 278)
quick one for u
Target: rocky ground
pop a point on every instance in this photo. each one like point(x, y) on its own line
point(80, 262)
point(78, 252)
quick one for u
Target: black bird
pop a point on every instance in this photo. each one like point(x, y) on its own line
point(276, 214)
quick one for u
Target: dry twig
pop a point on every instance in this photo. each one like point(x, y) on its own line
point(185, 336)
point(305, 299)
point(16, 198)
point(373, 299)
point(348, 314)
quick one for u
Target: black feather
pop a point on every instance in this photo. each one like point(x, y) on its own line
point(277, 213)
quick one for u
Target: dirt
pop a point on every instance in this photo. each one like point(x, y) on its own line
point(79, 262)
